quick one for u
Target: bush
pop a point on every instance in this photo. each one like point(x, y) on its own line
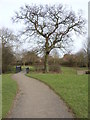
point(54, 68)
point(9, 69)
point(39, 68)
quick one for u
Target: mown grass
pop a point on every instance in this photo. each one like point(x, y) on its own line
point(72, 88)
point(0, 97)
point(9, 90)
point(31, 68)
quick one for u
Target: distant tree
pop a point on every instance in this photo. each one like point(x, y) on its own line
point(85, 50)
point(7, 38)
point(55, 57)
point(85, 46)
point(53, 25)
point(30, 58)
point(69, 60)
point(89, 53)
point(0, 57)
point(81, 59)
point(7, 58)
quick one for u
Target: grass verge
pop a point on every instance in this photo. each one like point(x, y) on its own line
point(9, 90)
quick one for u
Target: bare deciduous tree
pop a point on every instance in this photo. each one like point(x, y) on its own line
point(7, 38)
point(54, 25)
point(29, 57)
point(86, 51)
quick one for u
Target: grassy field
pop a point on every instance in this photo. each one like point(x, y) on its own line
point(0, 97)
point(9, 89)
point(72, 88)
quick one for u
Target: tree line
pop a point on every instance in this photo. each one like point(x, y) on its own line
point(11, 58)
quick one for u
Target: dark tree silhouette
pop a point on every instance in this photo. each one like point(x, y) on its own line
point(7, 38)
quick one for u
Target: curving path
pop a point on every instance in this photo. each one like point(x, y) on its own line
point(36, 100)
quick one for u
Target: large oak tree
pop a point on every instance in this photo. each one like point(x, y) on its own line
point(54, 26)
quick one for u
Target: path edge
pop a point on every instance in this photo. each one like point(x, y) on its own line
point(60, 97)
point(14, 99)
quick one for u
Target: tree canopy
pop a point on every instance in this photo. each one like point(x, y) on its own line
point(53, 25)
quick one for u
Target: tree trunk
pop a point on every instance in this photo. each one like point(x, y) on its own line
point(46, 68)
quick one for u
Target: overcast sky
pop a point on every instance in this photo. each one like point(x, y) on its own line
point(8, 8)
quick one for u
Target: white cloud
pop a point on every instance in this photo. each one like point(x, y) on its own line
point(8, 7)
